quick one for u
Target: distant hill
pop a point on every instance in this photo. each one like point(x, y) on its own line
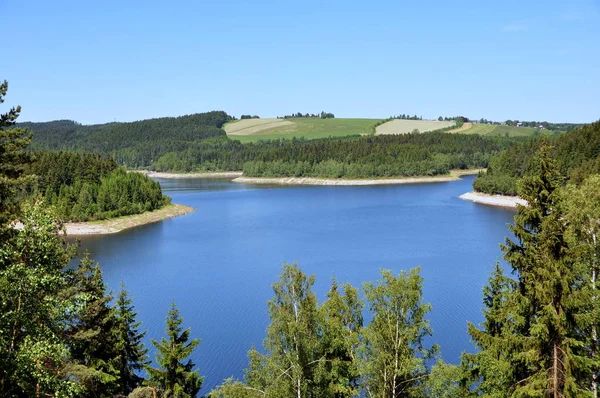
point(576, 153)
point(252, 130)
point(404, 126)
point(134, 144)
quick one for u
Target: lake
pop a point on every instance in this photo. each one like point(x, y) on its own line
point(219, 262)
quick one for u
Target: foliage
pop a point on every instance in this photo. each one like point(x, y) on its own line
point(392, 356)
point(134, 144)
point(86, 186)
point(577, 156)
point(533, 342)
point(174, 378)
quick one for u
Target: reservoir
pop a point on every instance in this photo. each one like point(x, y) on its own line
point(218, 263)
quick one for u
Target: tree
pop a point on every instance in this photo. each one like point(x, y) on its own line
point(292, 341)
point(13, 160)
point(33, 354)
point(132, 353)
point(92, 332)
point(341, 321)
point(392, 355)
point(535, 329)
point(175, 378)
point(582, 207)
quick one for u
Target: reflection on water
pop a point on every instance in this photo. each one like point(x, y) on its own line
point(219, 262)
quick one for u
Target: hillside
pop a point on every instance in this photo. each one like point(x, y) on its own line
point(252, 130)
point(576, 153)
point(133, 144)
point(402, 126)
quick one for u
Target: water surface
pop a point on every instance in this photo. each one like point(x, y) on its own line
point(219, 262)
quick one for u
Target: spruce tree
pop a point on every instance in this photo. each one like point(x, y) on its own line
point(175, 378)
point(92, 332)
point(130, 346)
point(13, 160)
point(534, 337)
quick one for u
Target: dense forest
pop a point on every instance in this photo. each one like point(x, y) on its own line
point(577, 156)
point(372, 156)
point(187, 146)
point(135, 144)
point(85, 186)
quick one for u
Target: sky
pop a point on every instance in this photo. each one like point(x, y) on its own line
point(104, 61)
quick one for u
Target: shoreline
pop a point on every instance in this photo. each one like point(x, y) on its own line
point(510, 202)
point(215, 174)
point(453, 176)
point(112, 226)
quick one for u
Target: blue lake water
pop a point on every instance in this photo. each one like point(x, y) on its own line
point(219, 262)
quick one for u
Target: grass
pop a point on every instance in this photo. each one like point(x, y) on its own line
point(309, 128)
point(494, 129)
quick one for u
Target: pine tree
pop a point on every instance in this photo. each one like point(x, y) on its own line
point(92, 332)
point(582, 206)
point(393, 355)
point(174, 378)
point(534, 329)
point(130, 348)
point(13, 160)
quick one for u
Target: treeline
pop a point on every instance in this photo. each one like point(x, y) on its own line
point(135, 144)
point(372, 156)
point(249, 117)
point(322, 115)
point(85, 186)
point(577, 156)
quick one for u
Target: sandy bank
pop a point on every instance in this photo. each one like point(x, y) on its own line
point(453, 176)
point(119, 224)
point(493, 200)
point(220, 174)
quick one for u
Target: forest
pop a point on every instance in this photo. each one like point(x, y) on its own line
point(134, 144)
point(354, 157)
point(86, 186)
point(577, 156)
point(196, 143)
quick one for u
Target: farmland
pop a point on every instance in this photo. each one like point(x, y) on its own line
point(401, 126)
point(495, 129)
point(252, 130)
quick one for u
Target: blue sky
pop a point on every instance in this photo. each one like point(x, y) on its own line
point(101, 61)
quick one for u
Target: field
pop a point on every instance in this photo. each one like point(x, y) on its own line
point(495, 129)
point(252, 130)
point(400, 126)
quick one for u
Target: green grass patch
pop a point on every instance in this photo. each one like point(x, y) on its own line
point(311, 128)
point(497, 130)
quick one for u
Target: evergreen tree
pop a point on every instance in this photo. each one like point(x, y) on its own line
point(582, 206)
point(535, 330)
point(393, 356)
point(13, 160)
point(174, 378)
point(92, 332)
point(131, 350)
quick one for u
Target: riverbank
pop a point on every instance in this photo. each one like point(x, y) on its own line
point(493, 200)
point(453, 176)
point(104, 227)
point(217, 174)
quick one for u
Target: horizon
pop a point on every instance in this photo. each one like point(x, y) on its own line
point(101, 63)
